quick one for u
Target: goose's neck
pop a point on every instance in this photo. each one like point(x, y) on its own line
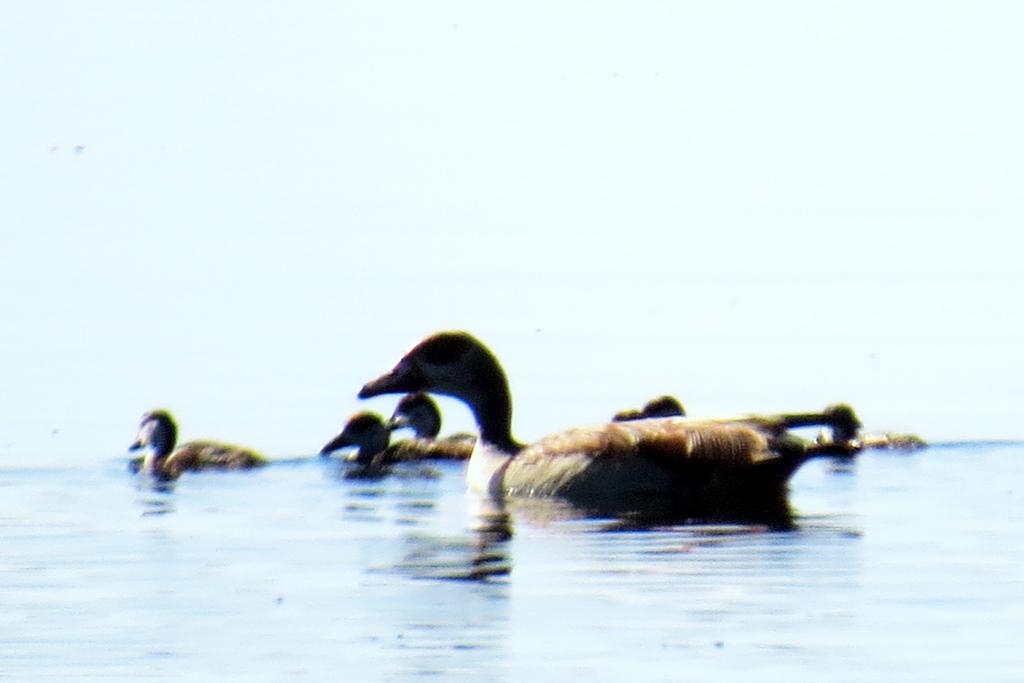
point(805, 419)
point(494, 418)
point(371, 447)
point(366, 454)
point(162, 442)
point(426, 425)
point(842, 431)
point(491, 404)
point(153, 461)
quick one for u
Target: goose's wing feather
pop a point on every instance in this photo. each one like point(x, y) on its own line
point(655, 455)
point(672, 442)
point(201, 455)
point(767, 423)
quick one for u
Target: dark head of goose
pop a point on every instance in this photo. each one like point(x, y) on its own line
point(433, 364)
point(366, 431)
point(843, 422)
point(418, 412)
point(157, 432)
point(458, 365)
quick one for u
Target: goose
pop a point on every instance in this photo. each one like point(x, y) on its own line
point(675, 465)
point(368, 432)
point(158, 434)
point(420, 413)
point(839, 417)
point(662, 406)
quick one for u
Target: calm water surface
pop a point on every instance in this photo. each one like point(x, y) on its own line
point(902, 567)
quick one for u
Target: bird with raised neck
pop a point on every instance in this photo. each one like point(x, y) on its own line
point(693, 468)
point(840, 419)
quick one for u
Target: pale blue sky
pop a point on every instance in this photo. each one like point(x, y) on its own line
point(755, 206)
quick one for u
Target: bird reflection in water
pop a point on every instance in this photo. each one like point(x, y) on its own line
point(764, 509)
point(481, 554)
point(154, 496)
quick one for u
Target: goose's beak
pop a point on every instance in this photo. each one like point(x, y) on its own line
point(136, 445)
point(337, 443)
point(404, 378)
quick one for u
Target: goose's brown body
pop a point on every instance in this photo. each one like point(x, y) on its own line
point(696, 468)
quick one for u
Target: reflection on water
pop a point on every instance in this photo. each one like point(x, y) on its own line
point(477, 551)
point(480, 554)
point(155, 496)
point(897, 567)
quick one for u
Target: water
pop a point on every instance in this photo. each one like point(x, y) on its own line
point(902, 567)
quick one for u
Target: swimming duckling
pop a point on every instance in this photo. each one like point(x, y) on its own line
point(663, 406)
point(158, 434)
point(372, 436)
point(896, 442)
point(420, 413)
point(694, 468)
point(368, 433)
